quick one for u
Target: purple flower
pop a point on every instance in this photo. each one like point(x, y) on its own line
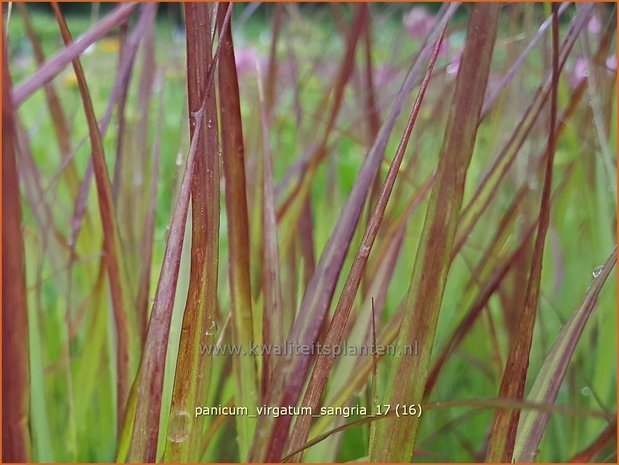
point(418, 22)
point(246, 60)
point(579, 71)
point(595, 25)
point(385, 75)
point(611, 63)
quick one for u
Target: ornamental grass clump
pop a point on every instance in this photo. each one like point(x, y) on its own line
point(309, 233)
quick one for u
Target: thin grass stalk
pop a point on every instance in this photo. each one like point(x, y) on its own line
point(503, 435)
point(395, 438)
point(199, 325)
point(233, 155)
point(15, 355)
point(146, 247)
point(58, 117)
point(273, 316)
point(58, 62)
point(121, 121)
point(474, 404)
point(121, 304)
point(324, 363)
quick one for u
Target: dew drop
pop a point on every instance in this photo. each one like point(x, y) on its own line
point(178, 428)
point(586, 391)
point(597, 271)
point(209, 123)
point(212, 329)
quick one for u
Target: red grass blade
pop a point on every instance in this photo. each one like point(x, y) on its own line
point(233, 155)
point(503, 434)
point(15, 361)
point(56, 64)
point(273, 316)
point(199, 326)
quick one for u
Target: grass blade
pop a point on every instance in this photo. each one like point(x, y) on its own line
point(546, 386)
point(339, 321)
point(503, 434)
point(292, 371)
point(199, 326)
point(233, 154)
point(395, 438)
point(15, 358)
point(273, 316)
point(55, 65)
point(111, 242)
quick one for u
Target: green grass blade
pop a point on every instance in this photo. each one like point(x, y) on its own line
point(395, 438)
point(550, 377)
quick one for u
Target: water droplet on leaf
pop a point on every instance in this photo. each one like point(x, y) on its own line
point(597, 271)
point(178, 428)
point(586, 391)
point(212, 329)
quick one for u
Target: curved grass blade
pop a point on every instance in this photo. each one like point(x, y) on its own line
point(546, 386)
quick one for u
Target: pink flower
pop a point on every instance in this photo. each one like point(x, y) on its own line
point(579, 71)
point(611, 63)
point(418, 22)
point(454, 64)
point(246, 60)
point(384, 75)
point(595, 25)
